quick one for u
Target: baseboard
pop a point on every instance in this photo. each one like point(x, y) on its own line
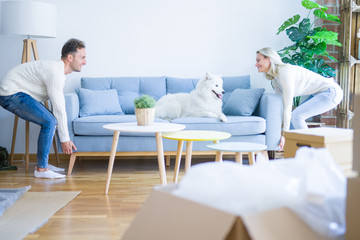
point(32, 157)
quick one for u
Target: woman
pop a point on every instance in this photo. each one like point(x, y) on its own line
point(291, 81)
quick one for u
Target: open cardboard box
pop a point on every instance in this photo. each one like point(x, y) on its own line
point(169, 217)
point(166, 216)
point(353, 185)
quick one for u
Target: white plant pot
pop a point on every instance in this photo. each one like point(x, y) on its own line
point(145, 116)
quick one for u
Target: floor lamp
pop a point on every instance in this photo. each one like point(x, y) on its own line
point(30, 19)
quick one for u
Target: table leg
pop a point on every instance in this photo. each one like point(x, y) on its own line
point(188, 155)
point(167, 160)
point(160, 153)
point(251, 156)
point(178, 160)
point(218, 157)
point(111, 159)
point(238, 157)
point(219, 154)
point(265, 153)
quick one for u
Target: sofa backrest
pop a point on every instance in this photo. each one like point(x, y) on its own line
point(129, 88)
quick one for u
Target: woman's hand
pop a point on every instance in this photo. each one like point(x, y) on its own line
point(282, 143)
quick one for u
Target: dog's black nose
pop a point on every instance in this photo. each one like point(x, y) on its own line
point(223, 92)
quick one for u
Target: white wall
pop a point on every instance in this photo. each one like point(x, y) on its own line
point(180, 38)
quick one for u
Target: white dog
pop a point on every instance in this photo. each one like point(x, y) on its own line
point(204, 101)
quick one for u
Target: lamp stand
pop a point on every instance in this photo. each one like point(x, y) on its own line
point(29, 44)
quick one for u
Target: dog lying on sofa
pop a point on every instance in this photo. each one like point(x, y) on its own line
point(204, 101)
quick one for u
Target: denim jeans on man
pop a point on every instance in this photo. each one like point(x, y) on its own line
point(27, 108)
point(318, 104)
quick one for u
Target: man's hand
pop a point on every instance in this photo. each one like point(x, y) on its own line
point(282, 143)
point(67, 147)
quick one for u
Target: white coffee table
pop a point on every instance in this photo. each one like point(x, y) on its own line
point(157, 128)
point(239, 148)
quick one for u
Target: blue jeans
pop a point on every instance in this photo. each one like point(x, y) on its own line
point(27, 108)
point(318, 104)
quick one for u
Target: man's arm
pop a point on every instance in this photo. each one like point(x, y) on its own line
point(67, 147)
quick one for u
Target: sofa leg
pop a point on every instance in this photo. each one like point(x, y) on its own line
point(167, 160)
point(71, 163)
point(271, 154)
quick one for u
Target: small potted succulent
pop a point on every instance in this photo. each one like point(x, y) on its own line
point(145, 110)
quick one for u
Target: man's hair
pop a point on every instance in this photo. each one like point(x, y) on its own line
point(71, 47)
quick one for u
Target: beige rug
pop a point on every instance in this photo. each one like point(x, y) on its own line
point(31, 212)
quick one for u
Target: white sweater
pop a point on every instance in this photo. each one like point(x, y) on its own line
point(293, 81)
point(42, 80)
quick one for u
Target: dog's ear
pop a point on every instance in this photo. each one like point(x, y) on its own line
point(207, 76)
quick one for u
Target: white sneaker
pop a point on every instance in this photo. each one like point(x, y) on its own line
point(55, 169)
point(48, 174)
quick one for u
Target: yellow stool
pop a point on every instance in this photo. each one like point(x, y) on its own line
point(189, 136)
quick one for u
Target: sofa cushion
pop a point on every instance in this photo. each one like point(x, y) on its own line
point(235, 82)
point(93, 125)
point(243, 102)
point(236, 125)
point(180, 85)
point(98, 102)
point(128, 88)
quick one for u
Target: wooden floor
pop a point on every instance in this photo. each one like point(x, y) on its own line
point(93, 215)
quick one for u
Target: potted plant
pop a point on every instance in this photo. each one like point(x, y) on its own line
point(145, 110)
point(310, 43)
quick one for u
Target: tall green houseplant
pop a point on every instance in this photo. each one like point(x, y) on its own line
point(310, 43)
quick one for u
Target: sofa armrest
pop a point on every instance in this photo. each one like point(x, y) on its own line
point(72, 111)
point(270, 107)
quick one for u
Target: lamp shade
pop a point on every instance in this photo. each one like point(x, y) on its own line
point(32, 19)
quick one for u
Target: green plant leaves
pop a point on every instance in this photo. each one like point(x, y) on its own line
point(310, 44)
point(144, 101)
point(323, 15)
point(326, 36)
point(311, 5)
point(298, 33)
point(288, 23)
point(317, 49)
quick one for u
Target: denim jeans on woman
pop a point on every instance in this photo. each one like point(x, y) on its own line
point(318, 104)
point(27, 108)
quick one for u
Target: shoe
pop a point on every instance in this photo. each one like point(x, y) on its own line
point(48, 174)
point(56, 169)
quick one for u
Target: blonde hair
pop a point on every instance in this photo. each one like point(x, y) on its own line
point(275, 61)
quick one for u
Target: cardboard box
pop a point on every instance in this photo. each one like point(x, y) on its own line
point(338, 141)
point(356, 126)
point(166, 216)
point(353, 209)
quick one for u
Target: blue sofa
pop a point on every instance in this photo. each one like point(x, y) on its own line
point(91, 139)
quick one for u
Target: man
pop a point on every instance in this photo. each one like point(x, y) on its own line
point(28, 84)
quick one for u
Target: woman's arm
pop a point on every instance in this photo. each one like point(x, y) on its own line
point(287, 81)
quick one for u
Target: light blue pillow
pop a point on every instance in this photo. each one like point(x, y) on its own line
point(98, 102)
point(243, 102)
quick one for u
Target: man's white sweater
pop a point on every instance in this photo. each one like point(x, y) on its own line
point(42, 80)
point(293, 81)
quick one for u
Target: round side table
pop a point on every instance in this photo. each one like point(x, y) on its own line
point(239, 148)
point(189, 136)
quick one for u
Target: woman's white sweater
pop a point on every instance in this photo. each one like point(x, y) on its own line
point(292, 81)
point(42, 80)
